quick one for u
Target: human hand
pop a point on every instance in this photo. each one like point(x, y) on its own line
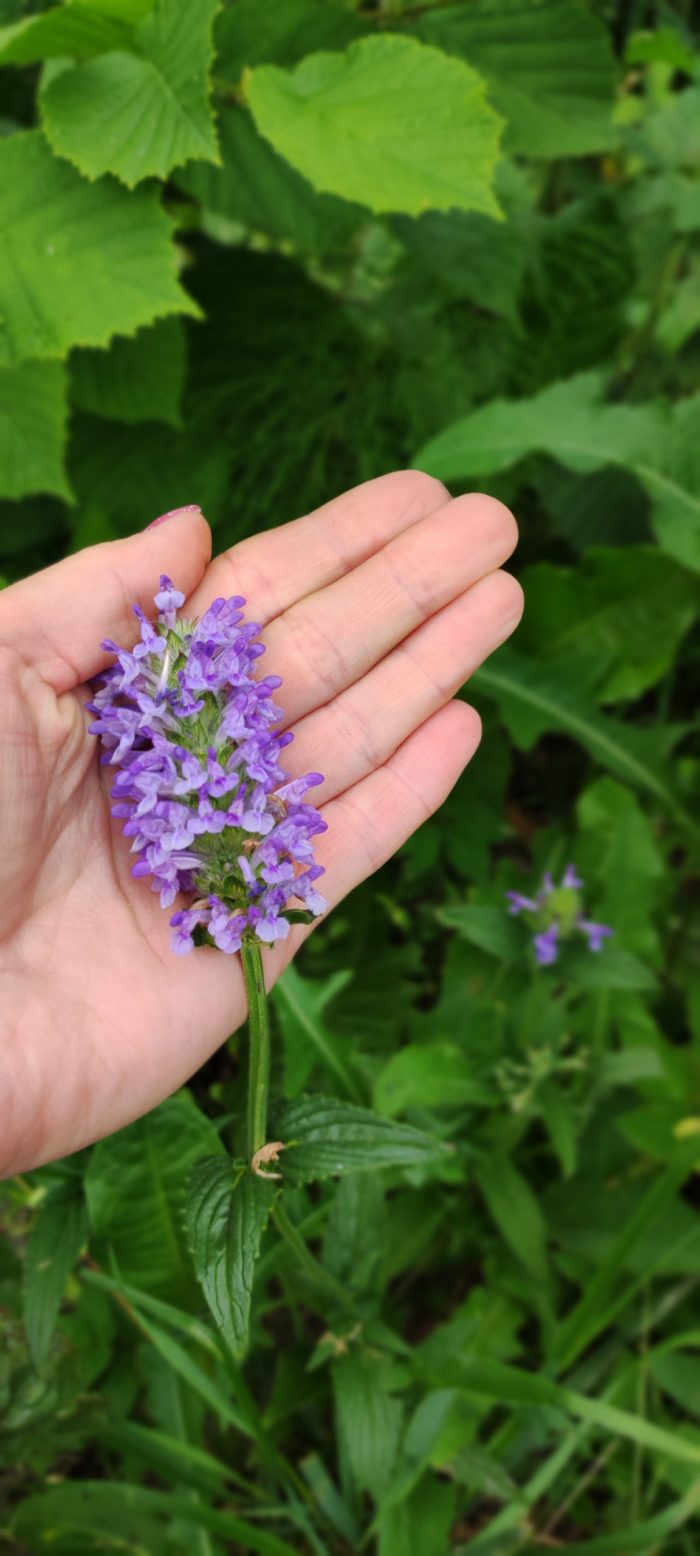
point(376, 608)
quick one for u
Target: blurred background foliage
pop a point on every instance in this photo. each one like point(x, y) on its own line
point(252, 255)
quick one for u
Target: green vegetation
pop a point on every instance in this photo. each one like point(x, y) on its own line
point(250, 255)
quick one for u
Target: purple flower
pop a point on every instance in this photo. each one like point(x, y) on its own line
point(210, 811)
point(546, 947)
point(557, 913)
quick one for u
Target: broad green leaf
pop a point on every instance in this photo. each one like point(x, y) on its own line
point(141, 379)
point(132, 473)
point(390, 123)
point(54, 1243)
point(490, 929)
point(368, 1419)
point(247, 34)
point(548, 64)
point(135, 1187)
point(75, 29)
point(571, 422)
point(227, 1212)
point(423, 1522)
point(534, 698)
point(627, 606)
point(33, 421)
point(619, 846)
point(681, 318)
point(431, 1075)
point(139, 114)
point(516, 1212)
point(610, 968)
point(678, 1374)
point(57, 230)
point(261, 190)
point(324, 1137)
point(470, 255)
point(354, 1242)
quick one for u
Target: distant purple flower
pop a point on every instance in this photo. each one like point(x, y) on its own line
point(546, 947)
point(557, 913)
point(200, 789)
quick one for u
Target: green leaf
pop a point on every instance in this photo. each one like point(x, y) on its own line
point(534, 698)
point(227, 1212)
point(548, 64)
point(300, 1003)
point(54, 1243)
point(513, 1385)
point(280, 34)
point(368, 1419)
point(491, 929)
point(136, 1516)
point(141, 379)
point(78, 264)
point(430, 1075)
point(135, 1187)
point(324, 1137)
point(570, 421)
point(257, 187)
point(516, 1213)
point(70, 29)
point(469, 255)
point(629, 607)
point(390, 123)
point(139, 115)
point(619, 848)
point(33, 421)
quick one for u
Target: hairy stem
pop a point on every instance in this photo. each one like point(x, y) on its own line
point(259, 1047)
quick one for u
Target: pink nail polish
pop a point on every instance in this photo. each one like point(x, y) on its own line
point(190, 507)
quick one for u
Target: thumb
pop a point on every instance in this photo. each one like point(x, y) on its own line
point(56, 620)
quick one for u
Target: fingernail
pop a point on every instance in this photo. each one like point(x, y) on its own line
point(190, 507)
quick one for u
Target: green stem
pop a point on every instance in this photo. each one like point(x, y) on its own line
point(259, 1046)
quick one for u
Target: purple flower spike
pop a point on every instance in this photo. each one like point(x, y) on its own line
point(210, 811)
point(572, 881)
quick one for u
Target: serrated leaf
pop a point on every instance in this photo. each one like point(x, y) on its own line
point(141, 379)
point(54, 1243)
point(227, 1212)
point(138, 115)
point(78, 263)
point(135, 1188)
point(391, 124)
point(324, 1137)
point(548, 64)
point(33, 421)
point(70, 29)
point(571, 422)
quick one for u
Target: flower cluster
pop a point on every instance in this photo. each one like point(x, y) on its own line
point(558, 913)
point(200, 787)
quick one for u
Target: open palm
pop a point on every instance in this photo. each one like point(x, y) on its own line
point(376, 609)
